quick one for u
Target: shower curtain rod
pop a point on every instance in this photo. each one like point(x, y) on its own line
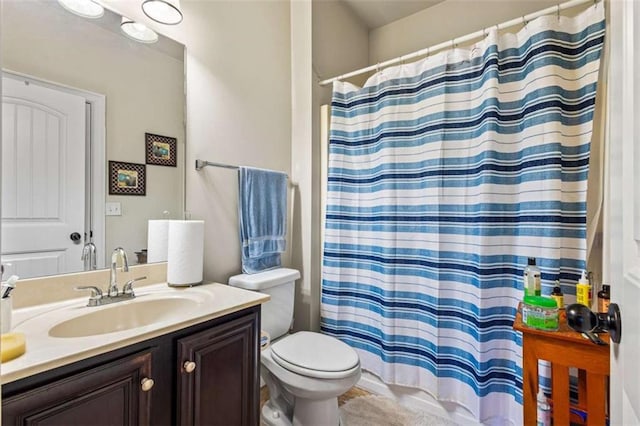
point(451, 43)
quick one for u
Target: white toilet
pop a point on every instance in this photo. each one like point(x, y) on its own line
point(305, 371)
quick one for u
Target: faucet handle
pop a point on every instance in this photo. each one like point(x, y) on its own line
point(96, 293)
point(128, 287)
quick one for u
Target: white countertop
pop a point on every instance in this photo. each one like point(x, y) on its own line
point(45, 352)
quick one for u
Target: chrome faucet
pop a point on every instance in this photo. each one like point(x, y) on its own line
point(112, 291)
point(89, 256)
point(127, 289)
point(112, 296)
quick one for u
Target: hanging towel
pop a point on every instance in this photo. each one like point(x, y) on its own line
point(263, 218)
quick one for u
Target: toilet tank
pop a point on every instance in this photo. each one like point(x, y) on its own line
point(277, 313)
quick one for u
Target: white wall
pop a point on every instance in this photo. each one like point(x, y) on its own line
point(340, 43)
point(304, 231)
point(444, 21)
point(238, 111)
point(327, 39)
point(238, 107)
point(248, 103)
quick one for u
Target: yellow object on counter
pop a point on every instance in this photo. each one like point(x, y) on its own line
point(12, 346)
point(583, 291)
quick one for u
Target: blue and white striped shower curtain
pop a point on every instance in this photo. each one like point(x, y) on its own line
point(444, 176)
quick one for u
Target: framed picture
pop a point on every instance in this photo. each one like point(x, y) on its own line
point(161, 150)
point(127, 178)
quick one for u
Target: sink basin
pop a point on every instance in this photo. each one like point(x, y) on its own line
point(125, 316)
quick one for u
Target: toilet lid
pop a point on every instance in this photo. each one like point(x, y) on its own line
point(315, 355)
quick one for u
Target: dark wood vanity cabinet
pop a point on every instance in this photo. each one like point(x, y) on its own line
point(206, 374)
point(217, 376)
point(110, 394)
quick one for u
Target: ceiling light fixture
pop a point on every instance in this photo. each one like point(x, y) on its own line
point(137, 31)
point(163, 11)
point(85, 8)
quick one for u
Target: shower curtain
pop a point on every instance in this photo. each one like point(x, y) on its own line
point(444, 176)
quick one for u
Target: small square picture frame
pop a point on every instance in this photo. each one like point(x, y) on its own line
point(161, 150)
point(127, 178)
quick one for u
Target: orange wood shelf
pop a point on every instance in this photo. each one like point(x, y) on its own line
point(564, 348)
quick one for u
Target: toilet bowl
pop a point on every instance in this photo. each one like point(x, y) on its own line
point(308, 371)
point(304, 371)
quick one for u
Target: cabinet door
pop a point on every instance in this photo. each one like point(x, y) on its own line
point(110, 394)
point(221, 385)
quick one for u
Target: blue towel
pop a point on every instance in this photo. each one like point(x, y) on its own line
point(263, 218)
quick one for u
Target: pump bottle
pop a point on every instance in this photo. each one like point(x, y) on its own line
point(583, 291)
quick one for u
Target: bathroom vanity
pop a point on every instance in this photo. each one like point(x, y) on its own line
point(201, 368)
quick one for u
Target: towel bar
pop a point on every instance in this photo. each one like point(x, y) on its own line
point(200, 164)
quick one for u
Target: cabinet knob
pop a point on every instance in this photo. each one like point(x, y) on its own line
point(147, 384)
point(189, 366)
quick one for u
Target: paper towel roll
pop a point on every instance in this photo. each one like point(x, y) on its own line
point(185, 259)
point(158, 232)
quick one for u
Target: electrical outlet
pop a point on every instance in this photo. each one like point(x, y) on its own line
point(112, 209)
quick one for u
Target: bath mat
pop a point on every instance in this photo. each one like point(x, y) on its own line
point(377, 410)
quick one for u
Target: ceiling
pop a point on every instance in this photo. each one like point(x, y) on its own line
point(376, 13)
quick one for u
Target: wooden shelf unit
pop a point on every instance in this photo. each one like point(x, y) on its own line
point(564, 349)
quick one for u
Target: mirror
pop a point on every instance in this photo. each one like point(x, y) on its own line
point(77, 95)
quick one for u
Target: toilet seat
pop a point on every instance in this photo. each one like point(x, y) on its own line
point(315, 355)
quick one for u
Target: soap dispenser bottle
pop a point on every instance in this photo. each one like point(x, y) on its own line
point(583, 291)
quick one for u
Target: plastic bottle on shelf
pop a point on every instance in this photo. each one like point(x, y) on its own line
point(543, 417)
point(604, 298)
point(557, 295)
point(532, 286)
point(583, 291)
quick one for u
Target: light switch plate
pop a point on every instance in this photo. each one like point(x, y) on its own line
point(113, 209)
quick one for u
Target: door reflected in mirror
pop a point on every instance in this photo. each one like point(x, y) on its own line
point(77, 94)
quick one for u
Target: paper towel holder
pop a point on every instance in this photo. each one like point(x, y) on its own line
point(185, 285)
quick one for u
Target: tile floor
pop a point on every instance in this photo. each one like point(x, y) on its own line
point(351, 393)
